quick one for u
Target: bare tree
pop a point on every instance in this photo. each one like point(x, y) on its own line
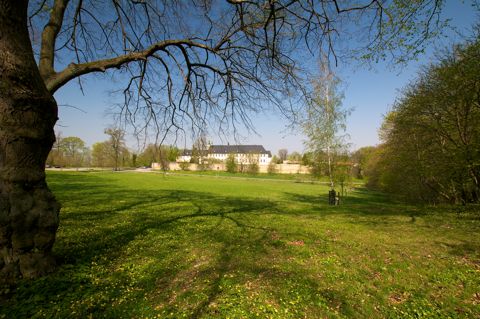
point(116, 142)
point(55, 157)
point(185, 64)
point(283, 154)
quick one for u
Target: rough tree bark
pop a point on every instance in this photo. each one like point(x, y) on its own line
point(28, 112)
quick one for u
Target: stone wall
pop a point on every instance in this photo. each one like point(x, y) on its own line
point(291, 169)
point(279, 168)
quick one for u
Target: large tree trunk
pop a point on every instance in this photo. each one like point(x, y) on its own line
point(28, 112)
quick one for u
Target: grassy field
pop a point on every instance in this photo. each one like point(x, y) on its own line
point(134, 245)
point(293, 177)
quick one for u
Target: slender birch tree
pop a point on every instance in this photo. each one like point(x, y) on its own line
point(324, 123)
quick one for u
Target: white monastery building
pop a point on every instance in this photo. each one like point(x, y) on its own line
point(244, 154)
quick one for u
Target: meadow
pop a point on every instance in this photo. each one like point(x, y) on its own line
point(134, 245)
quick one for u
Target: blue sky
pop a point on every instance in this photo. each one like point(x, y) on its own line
point(370, 91)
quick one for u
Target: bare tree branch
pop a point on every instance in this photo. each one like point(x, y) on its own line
point(74, 70)
point(49, 37)
point(198, 64)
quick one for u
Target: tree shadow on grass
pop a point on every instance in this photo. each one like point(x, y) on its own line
point(118, 218)
point(188, 251)
point(78, 182)
point(463, 249)
point(360, 202)
point(121, 222)
point(240, 261)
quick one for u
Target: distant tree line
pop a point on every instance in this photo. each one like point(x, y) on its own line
point(69, 151)
point(431, 139)
point(72, 151)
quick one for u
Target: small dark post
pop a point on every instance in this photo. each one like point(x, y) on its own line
point(332, 197)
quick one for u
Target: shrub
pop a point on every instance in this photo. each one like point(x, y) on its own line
point(272, 168)
point(184, 166)
point(253, 169)
point(204, 166)
point(230, 164)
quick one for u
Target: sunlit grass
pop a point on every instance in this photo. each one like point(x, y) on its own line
point(148, 245)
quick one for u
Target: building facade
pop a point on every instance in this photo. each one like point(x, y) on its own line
point(185, 156)
point(243, 154)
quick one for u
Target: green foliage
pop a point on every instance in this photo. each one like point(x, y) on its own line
point(375, 168)
point(301, 178)
point(102, 155)
point(184, 166)
point(204, 166)
point(324, 123)
point(411, 25)
point(360, 158)
point(136, 245)
point(319, 164)
point(69, 152)
point(162, 154)
point(147, 156)
point(134, 160)
point(431, 150)
point(276, 160)
point(307, 159)
point(231, 164)
point(195, 158)
point(295, 157)
point(172, 152)
point(343, 177)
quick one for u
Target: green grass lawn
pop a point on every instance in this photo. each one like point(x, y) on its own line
point(134, 245)
point(278, 176)
point(298, 178)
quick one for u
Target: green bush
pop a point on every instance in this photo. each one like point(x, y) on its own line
point(230, 164)
point(184, 166)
